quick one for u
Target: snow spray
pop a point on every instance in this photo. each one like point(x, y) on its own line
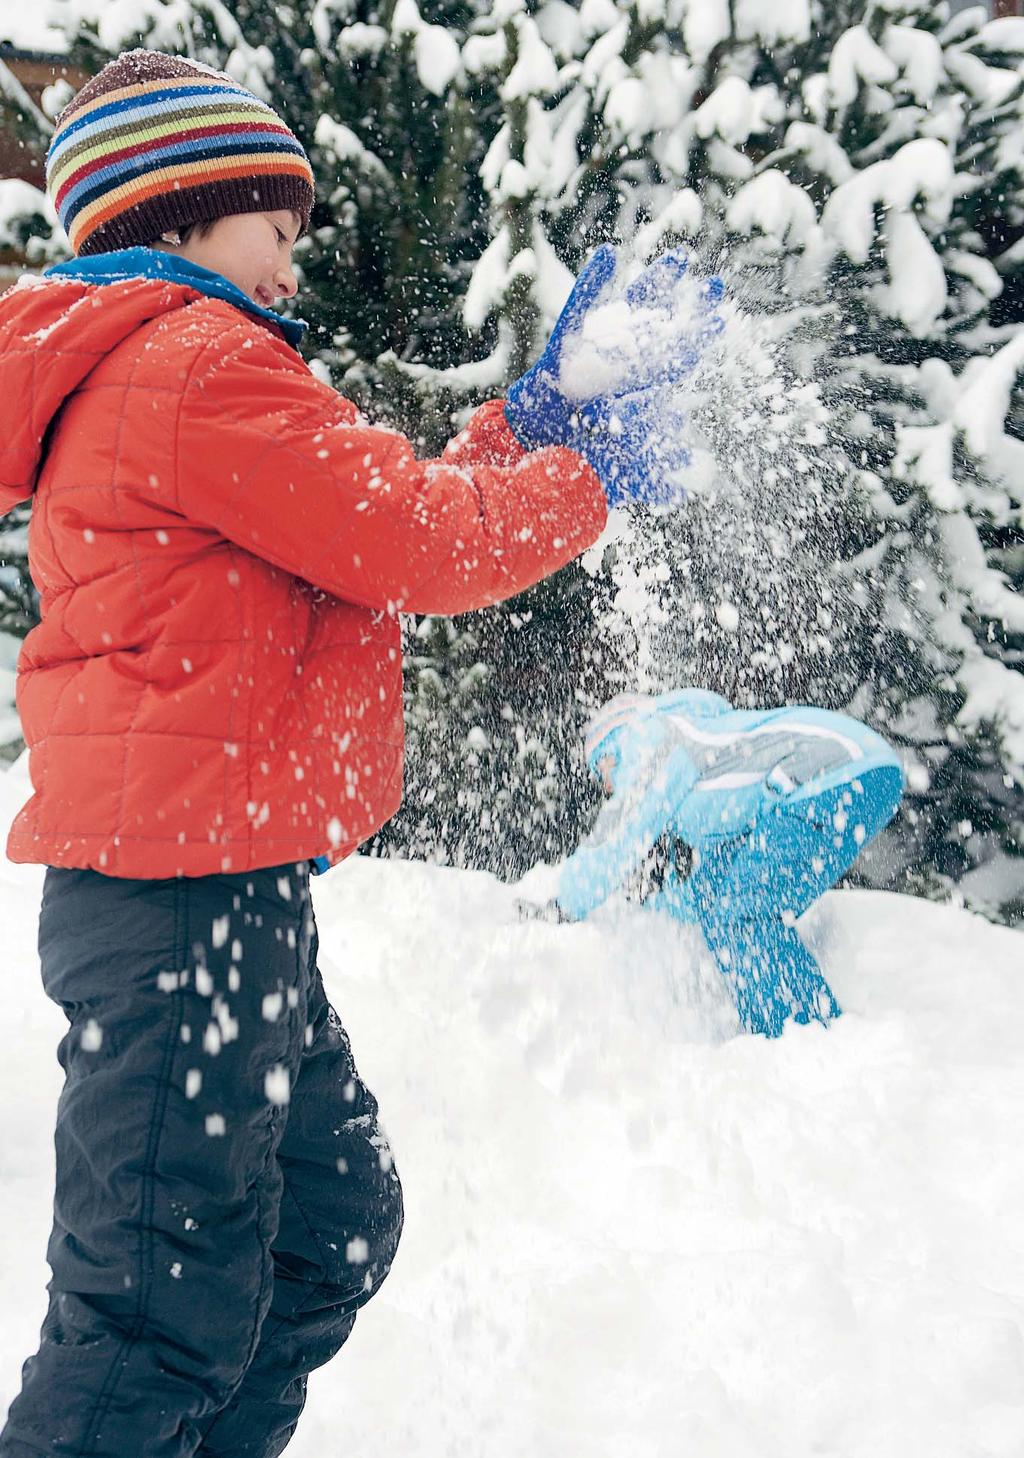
point(729, 583)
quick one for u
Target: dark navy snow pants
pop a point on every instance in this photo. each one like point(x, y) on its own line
point(225, 1198)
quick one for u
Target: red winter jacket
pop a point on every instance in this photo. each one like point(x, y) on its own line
point(222, 547)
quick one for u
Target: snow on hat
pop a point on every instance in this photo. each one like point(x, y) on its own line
point(156, 142)
point(620, 710)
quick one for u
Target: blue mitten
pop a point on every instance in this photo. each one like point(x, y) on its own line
point(616, 432)
point(535, 407)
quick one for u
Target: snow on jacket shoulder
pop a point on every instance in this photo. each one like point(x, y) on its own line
point(221, 547)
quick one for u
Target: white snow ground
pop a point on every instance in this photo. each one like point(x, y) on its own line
point(631, 1231)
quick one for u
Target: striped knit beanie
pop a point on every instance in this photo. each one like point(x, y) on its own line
point(155, 142)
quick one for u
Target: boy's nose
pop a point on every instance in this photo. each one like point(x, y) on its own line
point(284, 282)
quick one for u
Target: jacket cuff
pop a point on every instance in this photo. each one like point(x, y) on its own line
point(487, 440)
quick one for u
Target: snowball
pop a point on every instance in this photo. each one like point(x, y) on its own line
point(728, 616)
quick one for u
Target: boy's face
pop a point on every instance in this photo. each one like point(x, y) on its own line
point(251, 250)
point(606, 771)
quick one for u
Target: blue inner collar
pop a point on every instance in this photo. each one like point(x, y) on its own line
point(104, 268)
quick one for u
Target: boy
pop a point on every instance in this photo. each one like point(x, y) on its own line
point(212, 700)
point(749, 816)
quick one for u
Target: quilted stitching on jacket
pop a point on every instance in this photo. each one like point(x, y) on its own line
point(222, 547)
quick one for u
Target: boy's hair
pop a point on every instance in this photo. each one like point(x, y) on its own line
point(157, 142)
point(201, 228)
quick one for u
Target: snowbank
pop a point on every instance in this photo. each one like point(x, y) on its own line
point(630, 1229)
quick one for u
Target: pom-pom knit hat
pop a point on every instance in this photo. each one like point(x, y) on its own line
point(156, 142)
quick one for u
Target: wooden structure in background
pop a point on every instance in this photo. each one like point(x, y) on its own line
point(35, 71)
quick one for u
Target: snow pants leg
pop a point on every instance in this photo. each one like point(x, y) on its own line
point(747, 893)
point(225, 1198)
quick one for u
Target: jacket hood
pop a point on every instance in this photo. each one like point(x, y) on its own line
point(55, 330)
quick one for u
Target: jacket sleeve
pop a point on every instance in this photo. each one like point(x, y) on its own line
point(283, 466)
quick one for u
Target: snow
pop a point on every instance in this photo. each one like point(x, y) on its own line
point(705, 25)
point(345, 146)
point(623, 343)
point(630, 1229)
point(920, 172)
point(925, 454)
point(984, 405)
point(683, 214)
point(856, 60)
point(1005, 35)
point(21, 200)
point(437, 58)
point(488, 282)
point(31, 28)
point(995, 694)
point(775, 206)
point(534, 72)
point(783, 20)
point(435, 49)
point(917, 293)
point(627, 111)
point(824, 154)
point(734, 111)
point(918, 55)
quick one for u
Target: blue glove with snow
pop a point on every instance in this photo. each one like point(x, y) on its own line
point(619, 432)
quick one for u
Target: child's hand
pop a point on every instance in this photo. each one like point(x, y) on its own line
point(619, 429)
point(535, 407)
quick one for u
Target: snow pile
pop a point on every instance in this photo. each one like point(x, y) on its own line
point(629, 1228)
